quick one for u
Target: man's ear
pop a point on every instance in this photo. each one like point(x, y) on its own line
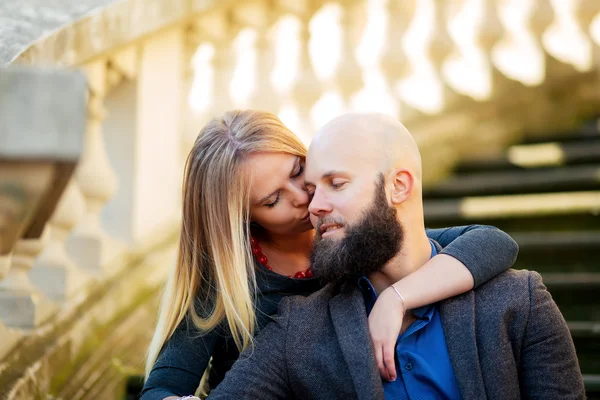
point(402, 185)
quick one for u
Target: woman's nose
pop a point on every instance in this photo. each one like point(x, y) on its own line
point(301, 196)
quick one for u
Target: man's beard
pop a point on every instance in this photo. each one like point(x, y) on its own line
point(367, 246)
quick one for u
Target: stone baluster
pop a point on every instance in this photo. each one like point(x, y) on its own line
point(22, 305)
point(260, 15)
point(5, 261)
point(306, 88)
point(489, 33)
point(541, 16)
point(54, 273)
point(348, 74)
point(90, 246)
point(490, 29)
point(220, 31)
point(9, 336)
point(439, 47)
point(394, 62)
point(586, 12)
point(194, 115)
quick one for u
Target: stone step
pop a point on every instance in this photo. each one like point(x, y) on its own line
point(563, 241)
point(585, 329)
point(588, 130)
point(550, 154)
point(586, 337)
point(562, 252)
point(592, 386)
point(537, 180)
point(564, 211)
point(576, 294)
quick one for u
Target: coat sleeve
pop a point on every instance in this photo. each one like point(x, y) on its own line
point(486, 251)
point(261, 370)
point(180, 364)
point(548, 366)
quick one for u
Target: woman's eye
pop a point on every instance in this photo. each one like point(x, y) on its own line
point(299, 173)
point(337, 185)
point(271, 205)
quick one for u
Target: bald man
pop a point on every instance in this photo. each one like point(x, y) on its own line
point(505, 339)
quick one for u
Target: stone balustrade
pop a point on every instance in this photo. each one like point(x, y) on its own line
point(158, 70)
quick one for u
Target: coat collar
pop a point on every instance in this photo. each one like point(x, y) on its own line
point(458, 319)
point(350, 322)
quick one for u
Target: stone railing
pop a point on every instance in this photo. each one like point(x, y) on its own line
point(462, 74)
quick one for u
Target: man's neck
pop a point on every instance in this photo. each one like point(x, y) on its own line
point(415, 252)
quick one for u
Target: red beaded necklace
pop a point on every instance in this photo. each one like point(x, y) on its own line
point(260, 256)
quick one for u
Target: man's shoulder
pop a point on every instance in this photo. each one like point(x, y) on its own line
point(513, 280)
point(512, 288)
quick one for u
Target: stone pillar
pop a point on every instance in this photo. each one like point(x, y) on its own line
point(157, 175)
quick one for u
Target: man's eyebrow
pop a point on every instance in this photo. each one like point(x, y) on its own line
point(326, 175)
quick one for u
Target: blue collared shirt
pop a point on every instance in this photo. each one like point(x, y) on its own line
point(422, 362)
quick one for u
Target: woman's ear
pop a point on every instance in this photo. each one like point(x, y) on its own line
point(402, 185)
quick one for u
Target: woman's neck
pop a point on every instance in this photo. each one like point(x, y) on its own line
point(288, 254)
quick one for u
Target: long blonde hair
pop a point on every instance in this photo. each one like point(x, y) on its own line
point(214, 277)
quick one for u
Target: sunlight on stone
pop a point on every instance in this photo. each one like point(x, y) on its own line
point(370, 48)
point(244, 77)
point(423, 88)
point(468, 72)
point(287, 52)
point(326, 40)
point(330, 105)
point(201, 91)
point(595, 29)
point(519, 56)
point(564, 40)
point(288, 114)
point(375, 95)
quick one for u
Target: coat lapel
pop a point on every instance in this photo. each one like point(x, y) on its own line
point(350, 322)
point(458, 320)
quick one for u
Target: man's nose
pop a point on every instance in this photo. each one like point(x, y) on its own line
point(319, 205)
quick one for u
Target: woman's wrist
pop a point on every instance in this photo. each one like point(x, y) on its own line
point(396, 293)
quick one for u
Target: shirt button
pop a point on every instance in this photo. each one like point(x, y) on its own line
point(408, 366)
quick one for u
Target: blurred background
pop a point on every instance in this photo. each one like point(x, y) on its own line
point(100, 102)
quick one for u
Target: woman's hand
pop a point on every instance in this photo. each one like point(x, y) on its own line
point(385, 325)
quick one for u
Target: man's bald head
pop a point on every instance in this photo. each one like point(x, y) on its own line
point(364, 174)
point(370, 139)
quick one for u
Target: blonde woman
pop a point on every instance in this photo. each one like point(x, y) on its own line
point(245, 244)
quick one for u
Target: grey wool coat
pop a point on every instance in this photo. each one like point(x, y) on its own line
point(506, 340)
